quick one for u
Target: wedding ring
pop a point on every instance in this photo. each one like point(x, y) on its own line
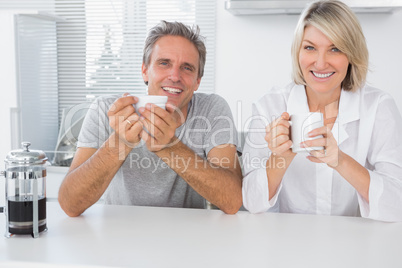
point(129, 122)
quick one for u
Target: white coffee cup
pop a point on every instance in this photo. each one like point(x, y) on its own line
point(300, 126)
point(155, 99)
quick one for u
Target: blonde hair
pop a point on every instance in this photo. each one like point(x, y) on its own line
point(338, 22)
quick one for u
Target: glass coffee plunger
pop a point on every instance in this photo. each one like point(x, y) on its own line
point(25, 191)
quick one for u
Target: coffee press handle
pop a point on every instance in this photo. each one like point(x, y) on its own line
point(2, 173)
point(35, 220)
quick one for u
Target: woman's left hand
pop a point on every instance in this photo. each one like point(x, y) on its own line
point(330, 154)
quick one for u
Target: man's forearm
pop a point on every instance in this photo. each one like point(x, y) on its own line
point(85, 184)
point(219, 184)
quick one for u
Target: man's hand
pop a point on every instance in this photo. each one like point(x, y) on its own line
point(159, 126)
point(124, 120)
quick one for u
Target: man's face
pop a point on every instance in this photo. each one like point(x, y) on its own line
point(173, 71)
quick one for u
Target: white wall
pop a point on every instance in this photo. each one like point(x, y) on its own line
point(8, 81)
point(7, 88)
point(253, 55)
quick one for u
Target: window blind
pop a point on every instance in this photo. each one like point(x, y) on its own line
point(99, 46)
point(37, 83)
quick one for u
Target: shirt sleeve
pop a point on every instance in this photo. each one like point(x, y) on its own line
point(384, 163)
point(221, 129)
point(95, 129)
point(255, 156)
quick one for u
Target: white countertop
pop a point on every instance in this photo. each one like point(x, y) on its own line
point(129, 236)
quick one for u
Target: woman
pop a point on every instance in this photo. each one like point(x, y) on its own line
point(360, 171)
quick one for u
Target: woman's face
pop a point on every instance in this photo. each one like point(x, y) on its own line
point(324, 67)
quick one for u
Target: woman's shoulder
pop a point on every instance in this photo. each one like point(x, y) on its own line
point(275, 100)
point(275, 91)
point(277, 94)
point(372, 94)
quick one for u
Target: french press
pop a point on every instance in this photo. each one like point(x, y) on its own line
point(25, 191)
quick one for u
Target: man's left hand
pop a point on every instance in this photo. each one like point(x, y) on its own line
point(159, 126)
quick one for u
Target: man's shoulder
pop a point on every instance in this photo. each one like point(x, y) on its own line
point(106, 99)
point(109, 98)
point(208, 102)
point(207, 98)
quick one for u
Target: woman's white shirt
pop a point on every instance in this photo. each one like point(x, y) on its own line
point(368, 128)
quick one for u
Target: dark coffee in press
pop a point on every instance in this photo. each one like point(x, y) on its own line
point(20, 214)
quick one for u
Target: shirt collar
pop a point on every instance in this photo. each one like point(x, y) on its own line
point(348, 109)
point(297, 102)
point(349, 106)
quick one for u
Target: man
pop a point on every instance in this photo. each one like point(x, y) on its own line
point(176, 157)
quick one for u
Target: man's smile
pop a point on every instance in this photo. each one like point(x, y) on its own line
point(172, 90)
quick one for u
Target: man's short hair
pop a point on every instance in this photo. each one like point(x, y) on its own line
point(165, 28)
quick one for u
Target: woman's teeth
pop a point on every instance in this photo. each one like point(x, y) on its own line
point(172, 90)
point(322, 75)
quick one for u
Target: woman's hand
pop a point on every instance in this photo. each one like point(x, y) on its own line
point(331, 153)
point(278, 136)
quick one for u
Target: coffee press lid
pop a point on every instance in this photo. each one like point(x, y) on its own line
point(26, 156)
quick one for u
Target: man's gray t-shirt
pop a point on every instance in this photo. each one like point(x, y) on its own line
point(144, 179)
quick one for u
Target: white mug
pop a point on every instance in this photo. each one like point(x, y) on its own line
point(155, 99)
point(300, 126)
